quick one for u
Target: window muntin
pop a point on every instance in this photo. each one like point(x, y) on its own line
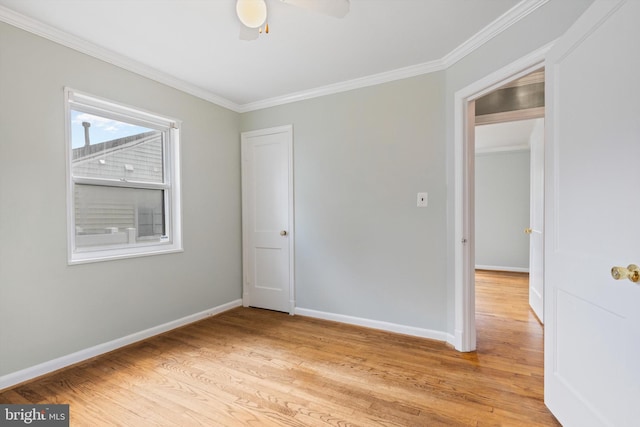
point(123, 181)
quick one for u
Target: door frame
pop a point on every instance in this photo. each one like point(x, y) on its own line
point(464, 184)
point(287, 129)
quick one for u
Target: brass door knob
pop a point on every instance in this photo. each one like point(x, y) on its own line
point(528, 231)
point(283, 233)
point(632, 272)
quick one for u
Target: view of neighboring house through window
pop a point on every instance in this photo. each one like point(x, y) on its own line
point(123, 180)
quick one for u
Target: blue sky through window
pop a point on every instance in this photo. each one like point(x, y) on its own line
point(102, 129)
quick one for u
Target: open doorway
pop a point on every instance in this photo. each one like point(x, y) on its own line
point(509, 194)
point(504, 90)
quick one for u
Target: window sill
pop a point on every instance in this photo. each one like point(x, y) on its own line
point(116, 254)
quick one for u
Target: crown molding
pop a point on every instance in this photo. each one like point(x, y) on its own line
point(372, 80)
point(504, 149)
point(506, 20)
point(502, 23)
point(46, 31)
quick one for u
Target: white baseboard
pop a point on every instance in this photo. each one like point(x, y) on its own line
point(32, 372)
point(500, 268)
point(377, 324)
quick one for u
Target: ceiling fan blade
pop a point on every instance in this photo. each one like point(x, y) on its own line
point(249, 34)
point(335, 8)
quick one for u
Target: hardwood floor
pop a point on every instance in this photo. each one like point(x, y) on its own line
point(260, 368)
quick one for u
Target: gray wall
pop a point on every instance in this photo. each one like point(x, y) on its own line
point(363, 248)
point(49, 309)
point(502, 210)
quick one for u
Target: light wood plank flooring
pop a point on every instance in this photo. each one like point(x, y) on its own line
point(250, 367)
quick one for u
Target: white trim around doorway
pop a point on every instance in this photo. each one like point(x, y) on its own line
point(464, 266)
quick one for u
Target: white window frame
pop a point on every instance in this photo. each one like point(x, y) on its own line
point(79, 101)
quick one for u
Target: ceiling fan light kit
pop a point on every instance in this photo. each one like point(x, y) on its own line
point(253, 13)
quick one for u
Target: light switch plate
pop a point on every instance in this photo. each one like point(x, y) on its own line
point(423, 199)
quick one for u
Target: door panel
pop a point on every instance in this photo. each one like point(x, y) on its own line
point(270, 160)
point(592, 332)
point(269, 274)
point(267, 208)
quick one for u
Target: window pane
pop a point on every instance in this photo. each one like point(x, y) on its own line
point(107, 148)
point(117, 216)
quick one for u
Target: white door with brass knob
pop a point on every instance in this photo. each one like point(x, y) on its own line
point(592, 321)
point(267, 219)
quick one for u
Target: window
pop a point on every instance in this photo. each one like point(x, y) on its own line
point(123, 180)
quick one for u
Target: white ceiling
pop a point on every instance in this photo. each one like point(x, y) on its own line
point(506, 136)
point(194, 45)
